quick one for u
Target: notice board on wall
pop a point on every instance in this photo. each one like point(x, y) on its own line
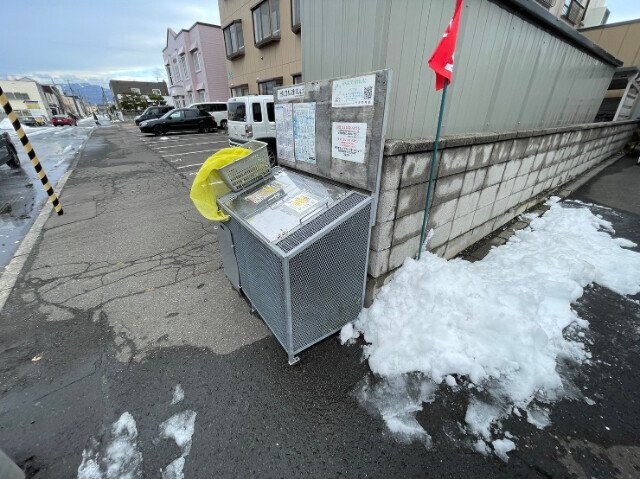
point(334, 128)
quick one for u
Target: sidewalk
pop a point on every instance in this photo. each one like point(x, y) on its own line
point(124, 297)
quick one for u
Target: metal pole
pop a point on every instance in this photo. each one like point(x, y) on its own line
point(432, 172)
point(26, 144)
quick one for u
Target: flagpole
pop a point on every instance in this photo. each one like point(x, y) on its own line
point(432, 172)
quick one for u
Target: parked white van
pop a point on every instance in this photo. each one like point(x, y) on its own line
point(217, 109)
point(252, 118)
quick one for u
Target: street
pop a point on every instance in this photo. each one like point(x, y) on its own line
point(117, 308)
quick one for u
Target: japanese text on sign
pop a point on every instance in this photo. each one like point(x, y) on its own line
point(304, 132)
point(348, 141)
point(284, 131)
point(353, 91)
point(296, 91)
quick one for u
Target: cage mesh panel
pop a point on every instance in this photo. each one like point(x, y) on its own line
point(261, 279)
point(315, 225)
point(327, 279)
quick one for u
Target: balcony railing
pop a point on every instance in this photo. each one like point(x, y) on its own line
point(573, 12)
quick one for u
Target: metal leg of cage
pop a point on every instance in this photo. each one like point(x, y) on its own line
point(293, 359)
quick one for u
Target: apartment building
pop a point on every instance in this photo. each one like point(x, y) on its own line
point(578, 13)
point(27, 98)
point(196, 65)
point(262, 44)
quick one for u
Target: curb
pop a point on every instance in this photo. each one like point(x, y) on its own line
point(14, 268)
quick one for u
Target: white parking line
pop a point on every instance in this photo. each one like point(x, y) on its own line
point(190, 144)
point(189, 166)
point(186, 153)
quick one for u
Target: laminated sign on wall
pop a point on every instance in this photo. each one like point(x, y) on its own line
point(304, 132)
point(284, 131)
point(351, 92)
point(348, 141)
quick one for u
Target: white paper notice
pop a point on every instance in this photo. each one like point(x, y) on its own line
point(289, 93)
point(284, 132)
point(304, 132)
point(353, 91)
point(348, 141)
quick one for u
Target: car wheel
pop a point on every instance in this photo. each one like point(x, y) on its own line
point(14, 161)
point(272, 155)
point(158, 130)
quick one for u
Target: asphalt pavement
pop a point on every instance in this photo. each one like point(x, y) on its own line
point(124, 297)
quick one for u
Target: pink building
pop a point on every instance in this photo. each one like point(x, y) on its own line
point(196, 67)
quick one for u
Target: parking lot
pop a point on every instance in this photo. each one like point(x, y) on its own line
point(185, 152)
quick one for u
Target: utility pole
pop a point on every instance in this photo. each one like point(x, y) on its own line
point(73, 95)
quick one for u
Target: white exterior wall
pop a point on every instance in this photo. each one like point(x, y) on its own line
point(32, 89)
point(509, 74)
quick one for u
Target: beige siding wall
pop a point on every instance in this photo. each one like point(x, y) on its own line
point(622, 41)
point(278, 59)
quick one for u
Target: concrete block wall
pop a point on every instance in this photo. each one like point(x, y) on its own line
point(483, 181)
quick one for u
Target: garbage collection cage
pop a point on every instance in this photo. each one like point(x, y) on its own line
point(309, 282)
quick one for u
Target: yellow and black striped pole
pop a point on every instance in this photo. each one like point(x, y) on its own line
point(26, 144)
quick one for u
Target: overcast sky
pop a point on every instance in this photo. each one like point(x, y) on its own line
point(95, 41)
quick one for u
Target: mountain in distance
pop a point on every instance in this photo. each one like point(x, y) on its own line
point(90, 92)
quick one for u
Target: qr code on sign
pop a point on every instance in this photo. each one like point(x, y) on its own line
point(368, 92)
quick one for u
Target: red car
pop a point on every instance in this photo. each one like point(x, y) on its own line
point(61, 120)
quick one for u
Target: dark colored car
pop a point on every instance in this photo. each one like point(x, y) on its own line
point(152, 113)
point(29, 121)
point(8, 153)
point(62, 120)
point(182, 119)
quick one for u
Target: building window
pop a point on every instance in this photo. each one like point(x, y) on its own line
point(573, 11)
point(183, 66)
point(135, 90)
point(202, 96)
point(234, 39)
point(189, 98)
point(240, 90)
point(297, 78)
point(17, 96)
point(155, 91)
point(197, 60)
point(169, 75)
point(266, 22)
point(266, 87)
point(295, 16)
point(176, 70)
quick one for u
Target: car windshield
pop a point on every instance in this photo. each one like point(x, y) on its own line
point(237, 112)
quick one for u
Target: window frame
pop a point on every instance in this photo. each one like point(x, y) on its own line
point(196, 58)
point(242, 87)
point(135, 91)
point(182, 60)
point(296, 27)
point(176, 69)
point(294, 76)
point(273, 36)
point(240, 49)
point(154, 90)
point(169, 73)
point(277, 81)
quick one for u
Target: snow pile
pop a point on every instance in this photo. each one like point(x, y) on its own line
point(179, 427)
point(116, 455)
point(178, 394)
point(497, 324)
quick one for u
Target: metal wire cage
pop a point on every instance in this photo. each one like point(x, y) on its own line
point(309, 284)
point(248, 169)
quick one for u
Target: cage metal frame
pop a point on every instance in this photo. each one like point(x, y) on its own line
point(285, 257)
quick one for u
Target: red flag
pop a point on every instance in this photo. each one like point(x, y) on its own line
point(441, 60)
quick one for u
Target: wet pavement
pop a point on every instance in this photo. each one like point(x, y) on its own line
point(116, 308)
point(21, 193)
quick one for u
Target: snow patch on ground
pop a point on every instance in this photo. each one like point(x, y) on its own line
point(115, 455)
point(500, 325)
point(178, 394)
point(179, 427)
